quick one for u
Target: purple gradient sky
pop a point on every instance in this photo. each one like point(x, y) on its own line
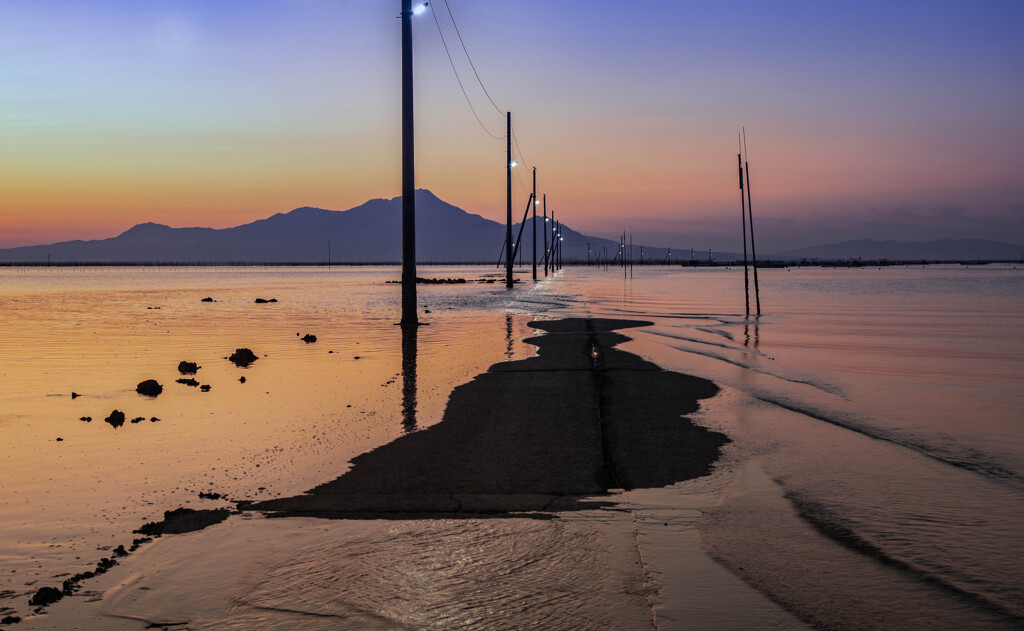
point(884, 120)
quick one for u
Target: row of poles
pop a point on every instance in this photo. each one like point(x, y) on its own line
point(747, 213)
point(552, 256)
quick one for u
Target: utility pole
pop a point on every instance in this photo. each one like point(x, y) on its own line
point(534, 198)
point(743, 215)
point(408, 179)
point(508, 197)
point(545, 234)
point(750, 213)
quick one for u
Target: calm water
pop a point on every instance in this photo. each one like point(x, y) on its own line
point(876, 478)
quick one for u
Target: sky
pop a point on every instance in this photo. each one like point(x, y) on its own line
point(888, 120)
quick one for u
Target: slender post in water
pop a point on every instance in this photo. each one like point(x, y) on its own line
point(545, 231)
point(743, 216)
point(750, 213)
point(534, 202)
point(408, 179)
point(508, 197)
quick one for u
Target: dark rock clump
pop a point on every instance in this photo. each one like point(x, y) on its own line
point(138, 542)
point(205, 387)
point(10, 620)
point(207, 299)
point(181, 520)
point(87, 419)
point(153, 419)
point(210, 496)
point(308, 338)
point(241, 379)
point(59, 439)
point(116, 418)
point(242, 357)
point(188, 368)
point(75, 395)
point(149, 387)
point(263, 301)
point(46, 596)
point(119, 551)
point(187, 382)
point(138, 419)
point(104, 565)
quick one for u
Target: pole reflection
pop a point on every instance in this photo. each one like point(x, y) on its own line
point(409, 351)
point(509, 349)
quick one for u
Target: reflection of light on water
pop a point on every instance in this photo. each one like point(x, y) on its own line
point(301, 414)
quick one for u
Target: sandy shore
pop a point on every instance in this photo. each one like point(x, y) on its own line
point(428, 531)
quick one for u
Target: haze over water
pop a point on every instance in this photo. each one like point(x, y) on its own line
point(876, 473)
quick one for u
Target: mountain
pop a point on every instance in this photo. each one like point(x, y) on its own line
point(941, 250)
point(367, 233)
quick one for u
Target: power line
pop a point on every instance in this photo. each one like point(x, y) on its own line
point(471, 64)
point(457, 78)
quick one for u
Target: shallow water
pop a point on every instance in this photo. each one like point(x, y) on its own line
point(875, 477)
point(878, 427)
point(303, 411)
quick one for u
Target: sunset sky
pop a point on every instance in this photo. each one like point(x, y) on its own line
point(888, 120)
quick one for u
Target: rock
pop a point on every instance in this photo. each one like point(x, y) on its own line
point(149, 388)
point(263, 301)
point(357, 357)
point(210, 496)
point(59, 439)
point(205, 387)
point(87, 419)
point(188, 368)
point(243, 357)
point(138, 542)
point(241, 379)
point(104, 565)
point(207, 299)
point(153, 419)
point(308, 338)
point(119, 551)
point(45, 596)
point(10, 620)
point(116, 418)
point(181, 520)
point(187, 382)
point(75, 395)
point(138, 419)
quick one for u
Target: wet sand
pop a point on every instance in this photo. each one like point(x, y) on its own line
point(427, 531)
point(540, 434)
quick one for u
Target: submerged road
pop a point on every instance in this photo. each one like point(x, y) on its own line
point(534, 436)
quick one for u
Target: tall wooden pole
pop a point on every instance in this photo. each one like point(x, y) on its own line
point(534, 202)
point(545, 234)
point(750, 213)
point(508, 197)
point(408, 179)
point(743, 215)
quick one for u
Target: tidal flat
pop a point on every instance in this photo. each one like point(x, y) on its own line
point(851, 483)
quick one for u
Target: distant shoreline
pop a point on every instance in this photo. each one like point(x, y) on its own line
point(574, 263)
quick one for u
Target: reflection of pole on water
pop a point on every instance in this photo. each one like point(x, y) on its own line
point(508, 335)
point(409, 335)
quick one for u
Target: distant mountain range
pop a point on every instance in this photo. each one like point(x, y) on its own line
point(371, 233)
point(940, 250)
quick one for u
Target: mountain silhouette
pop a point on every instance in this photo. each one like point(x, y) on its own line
point(369, 233)
point(940, 250)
